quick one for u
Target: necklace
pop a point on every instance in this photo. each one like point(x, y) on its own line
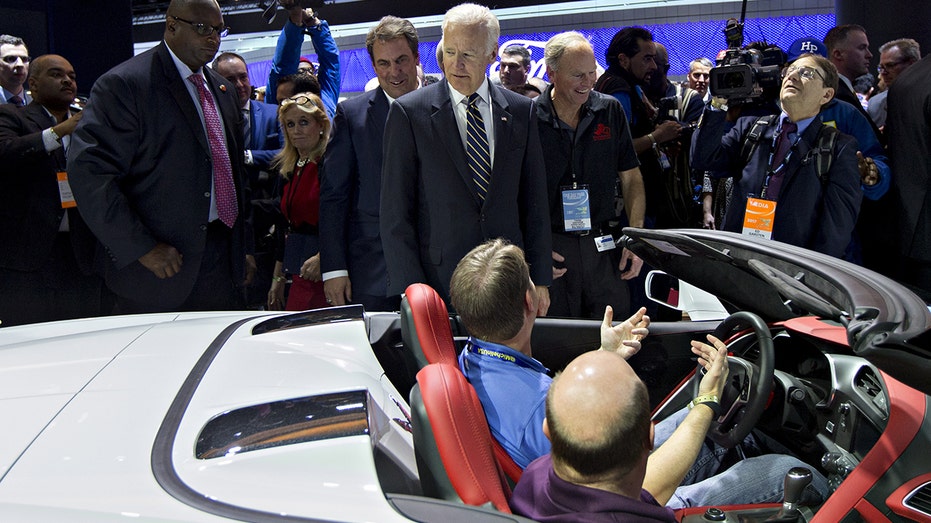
point(302, 162)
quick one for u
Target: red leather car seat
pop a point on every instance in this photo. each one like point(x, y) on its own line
point(425, 319)
point(454, 448)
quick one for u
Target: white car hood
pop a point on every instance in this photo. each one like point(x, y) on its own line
point(84, 439)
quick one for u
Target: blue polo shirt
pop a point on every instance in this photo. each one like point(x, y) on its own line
point(512, 388)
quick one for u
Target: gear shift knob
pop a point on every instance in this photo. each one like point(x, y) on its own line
point(796, 480)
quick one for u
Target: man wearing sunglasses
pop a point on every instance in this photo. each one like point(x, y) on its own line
point(157, 168)
point(781, 193)
point(14, 68)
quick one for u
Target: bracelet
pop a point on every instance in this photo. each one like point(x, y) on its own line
point(711, 400)
point(279, 279)
point(650, 136)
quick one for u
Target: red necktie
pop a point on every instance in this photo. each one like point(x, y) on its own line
point(223, 187)
point(783, 145)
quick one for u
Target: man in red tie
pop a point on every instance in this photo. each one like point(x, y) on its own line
point(157, 170)
point(800, 183)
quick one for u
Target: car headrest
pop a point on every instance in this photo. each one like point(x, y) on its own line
point(426, 322)
point(454, 448)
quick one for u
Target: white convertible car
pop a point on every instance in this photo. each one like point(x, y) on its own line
point(278, 417)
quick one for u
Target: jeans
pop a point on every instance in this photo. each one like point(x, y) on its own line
point(752, 480)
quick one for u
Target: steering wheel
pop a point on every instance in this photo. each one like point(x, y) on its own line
point(748, 385)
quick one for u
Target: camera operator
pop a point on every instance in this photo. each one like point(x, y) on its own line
point(781, 192)
point(683, 106)
point(631, 59)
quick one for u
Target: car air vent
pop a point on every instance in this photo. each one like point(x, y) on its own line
point(868, 383)
point(920, 499)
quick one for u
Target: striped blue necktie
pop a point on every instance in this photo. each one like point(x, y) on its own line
point(478, 151)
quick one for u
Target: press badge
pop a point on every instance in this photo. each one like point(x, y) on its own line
point(64, 191)
point(759, 218)
point(605, 243)
point(576, 209)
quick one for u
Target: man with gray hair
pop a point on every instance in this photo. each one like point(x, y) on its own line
point(587, 148)
point(14, 68)
point(894, 58)
point(699, 76)
point(351, 254)
point(462, 164)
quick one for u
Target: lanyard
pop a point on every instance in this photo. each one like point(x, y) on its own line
point(770, 172)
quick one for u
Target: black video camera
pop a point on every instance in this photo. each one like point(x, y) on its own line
point(746, 75)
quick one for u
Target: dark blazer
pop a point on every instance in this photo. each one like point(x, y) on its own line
point(909, 126)
point(809, 214)
point(350, 192)
point(30, 205)
point(140, 168)
point(846, 94)
point(430, 215)
point(266, 141)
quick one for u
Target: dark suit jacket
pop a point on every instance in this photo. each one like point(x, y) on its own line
point(30, 205)
point(430, 214)
point(909, 126)
point(350, 192)
point(140, 168)
point(266, 141)
point(809, 214)
point(846, 94)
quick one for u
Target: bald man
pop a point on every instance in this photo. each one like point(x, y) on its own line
point(47, 254)
point(601, 471)
point(157, 168)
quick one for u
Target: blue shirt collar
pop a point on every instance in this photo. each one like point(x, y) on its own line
point(504, 353)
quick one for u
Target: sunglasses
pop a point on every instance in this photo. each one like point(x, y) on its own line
point(299, 100)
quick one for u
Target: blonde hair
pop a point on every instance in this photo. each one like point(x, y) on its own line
point(287, 158)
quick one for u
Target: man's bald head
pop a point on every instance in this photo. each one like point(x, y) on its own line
point(598, 416)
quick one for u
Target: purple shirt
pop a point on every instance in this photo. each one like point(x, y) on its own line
point(543, 496)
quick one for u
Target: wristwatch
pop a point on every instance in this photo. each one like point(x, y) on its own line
point(54, 134)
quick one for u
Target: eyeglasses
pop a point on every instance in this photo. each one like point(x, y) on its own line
point(12, 58)
point(888, 66)
point(804, 72)
point(299, 100)
point(204, 29)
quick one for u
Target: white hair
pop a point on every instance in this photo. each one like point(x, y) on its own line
point(469, 15)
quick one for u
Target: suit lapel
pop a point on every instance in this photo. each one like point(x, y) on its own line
point(446, 128)
point(178, 90)
point(502, 118)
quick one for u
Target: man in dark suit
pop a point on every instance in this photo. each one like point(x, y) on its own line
point(156, 168)
point(849, 51)
point(262, 142)
point(909, 127)
point(351, 255)
point(463, 164)
point(46, 260)
point(780, 182)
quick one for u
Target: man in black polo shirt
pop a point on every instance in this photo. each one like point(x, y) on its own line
point(586, 148)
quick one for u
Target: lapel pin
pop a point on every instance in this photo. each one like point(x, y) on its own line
point(504, 118)
point(223, 88)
